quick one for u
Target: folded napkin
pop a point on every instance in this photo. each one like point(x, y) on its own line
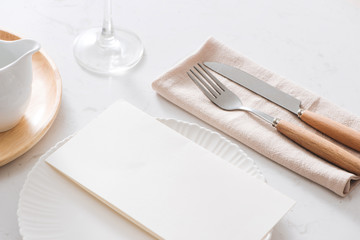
point(164, 183)
point(177, 87)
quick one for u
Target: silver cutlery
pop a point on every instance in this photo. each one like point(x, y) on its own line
point(333, 129)
point(225, 99)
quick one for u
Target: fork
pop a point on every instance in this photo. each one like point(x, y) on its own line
point(225, 99)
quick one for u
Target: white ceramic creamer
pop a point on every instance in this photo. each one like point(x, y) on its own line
point(15, 80)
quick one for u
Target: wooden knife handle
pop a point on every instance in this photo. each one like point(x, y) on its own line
point(335, 130)
point(320, 146)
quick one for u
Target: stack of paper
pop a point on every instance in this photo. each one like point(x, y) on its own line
point(164, 183)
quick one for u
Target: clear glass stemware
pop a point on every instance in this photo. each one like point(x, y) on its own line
point(108, 50)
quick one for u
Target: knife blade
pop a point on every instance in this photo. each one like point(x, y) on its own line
point(341, 133)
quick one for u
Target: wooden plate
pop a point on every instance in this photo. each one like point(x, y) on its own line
point(42, 109)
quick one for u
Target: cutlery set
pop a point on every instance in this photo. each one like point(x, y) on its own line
point(225, 99)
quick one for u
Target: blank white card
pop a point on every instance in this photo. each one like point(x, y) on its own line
point(165, 183)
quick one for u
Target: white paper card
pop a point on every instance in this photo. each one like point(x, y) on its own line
point(165, 183)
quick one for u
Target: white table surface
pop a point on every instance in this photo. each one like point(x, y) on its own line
point(313, 43)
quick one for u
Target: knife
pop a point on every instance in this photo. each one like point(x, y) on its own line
point(331, 128)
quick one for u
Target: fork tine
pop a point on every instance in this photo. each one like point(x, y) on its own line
point(209, 81)
point(205, 84)
point(220, 84)
point(200, 86)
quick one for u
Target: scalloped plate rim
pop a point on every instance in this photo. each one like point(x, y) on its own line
point(167, 122)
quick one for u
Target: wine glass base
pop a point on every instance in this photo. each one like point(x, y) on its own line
point(110, 56)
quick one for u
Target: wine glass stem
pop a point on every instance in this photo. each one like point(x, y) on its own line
point(107, 32)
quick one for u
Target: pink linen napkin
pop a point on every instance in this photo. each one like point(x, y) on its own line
point(177, 87)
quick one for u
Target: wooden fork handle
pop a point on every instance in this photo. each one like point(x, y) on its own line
point(333, 129)
point(320, 146)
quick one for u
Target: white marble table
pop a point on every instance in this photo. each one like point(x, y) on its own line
point(313, 43)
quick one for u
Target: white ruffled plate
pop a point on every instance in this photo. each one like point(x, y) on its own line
point(52, 207)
